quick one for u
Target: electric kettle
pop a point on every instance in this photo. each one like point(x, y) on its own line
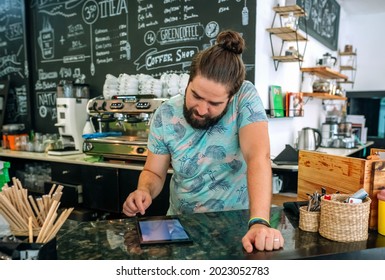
point(309, 139)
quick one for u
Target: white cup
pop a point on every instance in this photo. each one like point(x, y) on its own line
point(184, 78)
point(128, 86)
point(157, 83)
point(276, 184)
point(107, 94)
point(143, 77)
point(173, 83)
point(111, 78)
point(131, 91)
point(173, 91)
point(123, 76)
point(157, 92)
point(173, 80)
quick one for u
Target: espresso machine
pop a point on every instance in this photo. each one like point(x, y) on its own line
point(71, 105)
point(337, 133)
point(122, 126)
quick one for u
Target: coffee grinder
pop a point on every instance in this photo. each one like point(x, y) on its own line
point(71, 105)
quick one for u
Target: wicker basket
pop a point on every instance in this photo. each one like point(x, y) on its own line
point(308, 220)
point(344, 222)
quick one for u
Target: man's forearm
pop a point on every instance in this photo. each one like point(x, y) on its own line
point(151, 182)
point(259, 188)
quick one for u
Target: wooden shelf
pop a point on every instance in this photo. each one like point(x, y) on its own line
point(346, 82)
point(287, 58)
point(347, 53)
point(286, 34)
point(324, 72)
point(347, 67)
point(348, 63)
point(323, 95)
point(286, 10)
point(289, 33)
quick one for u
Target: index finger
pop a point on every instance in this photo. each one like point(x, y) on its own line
point(139, 202)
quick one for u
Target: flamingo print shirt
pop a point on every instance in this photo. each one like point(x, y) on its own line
point(209, 169)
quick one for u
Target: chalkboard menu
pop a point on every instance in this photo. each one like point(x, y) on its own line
point(88, 39)
point(322, 21)
point(14, 63)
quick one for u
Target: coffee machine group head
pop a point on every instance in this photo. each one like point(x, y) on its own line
point(71, 105)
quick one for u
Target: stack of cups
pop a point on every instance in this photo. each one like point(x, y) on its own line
point(381, 212)
point(128, 84)
point(183, 82)
point(143, 79)
point(153, 87)
point(174, 84)
point(111, 86)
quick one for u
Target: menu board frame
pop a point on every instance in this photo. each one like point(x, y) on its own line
point(322, 21)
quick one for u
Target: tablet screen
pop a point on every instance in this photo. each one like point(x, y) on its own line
point(158, 230)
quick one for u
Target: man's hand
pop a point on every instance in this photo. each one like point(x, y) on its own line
point(262, 238)
point(137, 202)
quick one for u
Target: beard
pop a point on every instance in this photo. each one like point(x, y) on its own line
point(206, 122)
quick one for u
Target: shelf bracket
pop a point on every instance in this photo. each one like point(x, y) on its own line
point(286, 35)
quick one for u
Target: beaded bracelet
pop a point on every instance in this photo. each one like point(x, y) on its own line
point(258, 220)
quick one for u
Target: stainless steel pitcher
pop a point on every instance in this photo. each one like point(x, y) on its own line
point(309, 139)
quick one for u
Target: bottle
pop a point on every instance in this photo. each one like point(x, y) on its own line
point(381, 212)
point(245, 16)
point(31, 135)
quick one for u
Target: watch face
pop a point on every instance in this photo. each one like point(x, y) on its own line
point(212, 29)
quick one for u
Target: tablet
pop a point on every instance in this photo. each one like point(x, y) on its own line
point(161, 230)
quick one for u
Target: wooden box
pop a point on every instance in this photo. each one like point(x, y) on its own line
point(345, 175)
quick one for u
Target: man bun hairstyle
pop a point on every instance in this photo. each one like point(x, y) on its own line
point(222, 62)
point(231, 42)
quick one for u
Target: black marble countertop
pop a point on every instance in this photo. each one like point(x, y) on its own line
point(216, 236)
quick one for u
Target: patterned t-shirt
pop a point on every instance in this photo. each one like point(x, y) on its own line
point(209, 171)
